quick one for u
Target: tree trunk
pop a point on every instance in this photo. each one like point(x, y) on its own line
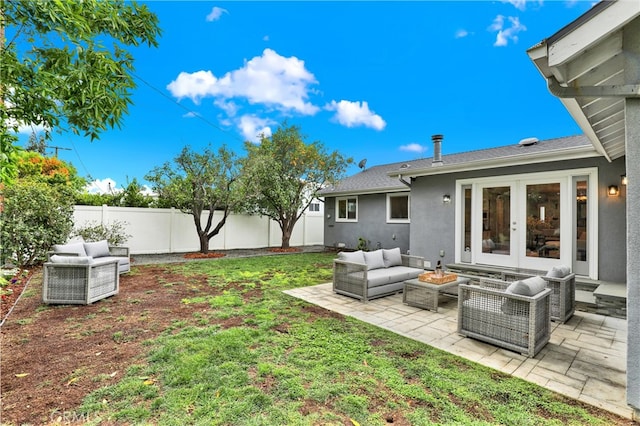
point(286, 236)
point(204, 243)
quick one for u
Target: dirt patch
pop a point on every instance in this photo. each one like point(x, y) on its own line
point(53, 356)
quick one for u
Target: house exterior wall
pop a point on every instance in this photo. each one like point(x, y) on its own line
point(433, 221)
point(371, 225)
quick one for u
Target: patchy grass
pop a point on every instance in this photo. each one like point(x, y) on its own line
point(255, 356)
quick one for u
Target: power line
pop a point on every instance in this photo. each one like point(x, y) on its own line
point(193, 113)
point(57, 148)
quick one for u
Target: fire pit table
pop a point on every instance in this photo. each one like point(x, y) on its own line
point(422, 294)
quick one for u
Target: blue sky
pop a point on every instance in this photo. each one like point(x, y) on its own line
point(372, 80)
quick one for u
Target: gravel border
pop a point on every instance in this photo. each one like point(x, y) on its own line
point(148, 259)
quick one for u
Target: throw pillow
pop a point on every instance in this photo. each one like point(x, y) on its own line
point(97, 249)
point(374, 259)
point(392, 257)
point(354, 257)
point(528, 287)
point(559, 271)
point(71, 248)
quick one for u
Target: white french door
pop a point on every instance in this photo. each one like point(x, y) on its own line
point(529, 221)
point(496, 239)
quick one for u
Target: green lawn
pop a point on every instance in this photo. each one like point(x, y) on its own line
point(286, 362)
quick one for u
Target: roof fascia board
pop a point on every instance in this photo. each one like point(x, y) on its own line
point(516, 160)
point(586, 34)
point(367, 192)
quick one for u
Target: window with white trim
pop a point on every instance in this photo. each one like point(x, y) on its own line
point(347, 209)
point(398, 208)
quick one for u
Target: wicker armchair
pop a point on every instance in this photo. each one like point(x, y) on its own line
point(512, 321)
point(79, 280)
point(563, 293)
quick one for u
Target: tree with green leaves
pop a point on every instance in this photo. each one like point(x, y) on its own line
point(285, 173)
point(198, 182)
point(65, 65)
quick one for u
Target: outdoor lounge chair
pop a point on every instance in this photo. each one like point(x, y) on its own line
point(79, 280)
point(518, 322)
point(563, 290)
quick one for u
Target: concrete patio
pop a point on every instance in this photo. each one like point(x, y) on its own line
point(585, 358)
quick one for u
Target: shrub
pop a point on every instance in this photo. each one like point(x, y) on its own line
point(114, 232)
point(35, 216)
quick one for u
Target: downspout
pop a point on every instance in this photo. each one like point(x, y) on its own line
point(401, 179)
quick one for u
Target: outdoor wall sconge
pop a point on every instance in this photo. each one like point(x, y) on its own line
point(613, 191)
point(623, 179)
point(446, 198)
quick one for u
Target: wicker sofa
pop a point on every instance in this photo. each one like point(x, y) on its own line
point(96, 250)
point(563, 290)
point(379, 273)
point(515, 318)
point(79, 279)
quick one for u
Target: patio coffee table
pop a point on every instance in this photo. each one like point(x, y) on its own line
point(425, 295)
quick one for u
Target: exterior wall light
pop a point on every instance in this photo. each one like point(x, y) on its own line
point(613, 191)
point(446, 198)
point(623, 179)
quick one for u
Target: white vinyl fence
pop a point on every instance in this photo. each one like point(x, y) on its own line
point(171, 231)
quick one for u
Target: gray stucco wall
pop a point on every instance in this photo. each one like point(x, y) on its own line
point(371, 225)
point(633, 239)
point(436, 229)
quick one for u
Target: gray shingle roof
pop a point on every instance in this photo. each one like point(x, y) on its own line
point(377, 179)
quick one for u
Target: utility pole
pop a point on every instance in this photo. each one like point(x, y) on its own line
point(57, 148)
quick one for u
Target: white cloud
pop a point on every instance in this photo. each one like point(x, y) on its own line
point(265, 38)
point(413, 147)
point(506, 34)
point(227, 106)
point(216, 13)
point(461, 33)
point(102, 186)
point(190, 114)
point(270, 79)
point(518, 4)
point(253, 127)
point(352, 114)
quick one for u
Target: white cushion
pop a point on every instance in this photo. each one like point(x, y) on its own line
point(559, 271)
point(354, 257)
point(374, 259)
point(76, 260)
point(97, 249)
point(392, 257)
point(71, 248)
point(529, 287)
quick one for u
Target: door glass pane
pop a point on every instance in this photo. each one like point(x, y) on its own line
point(467, 221)
point(496, 220)
point(581, 221)
point(543, 220)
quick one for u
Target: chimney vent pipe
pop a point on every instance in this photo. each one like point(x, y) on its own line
point(437, 150)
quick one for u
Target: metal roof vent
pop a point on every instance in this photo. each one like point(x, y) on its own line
point(528, 141)
point(405, 166)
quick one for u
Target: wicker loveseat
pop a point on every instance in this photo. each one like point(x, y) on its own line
point(516, 318)
point(368, 275)
point(96, 250)
point(563, 290)
point(79, 279)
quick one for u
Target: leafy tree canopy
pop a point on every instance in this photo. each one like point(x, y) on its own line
point(50, 170)
point(64, 64)
point(197, 182)
point(285, 174)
